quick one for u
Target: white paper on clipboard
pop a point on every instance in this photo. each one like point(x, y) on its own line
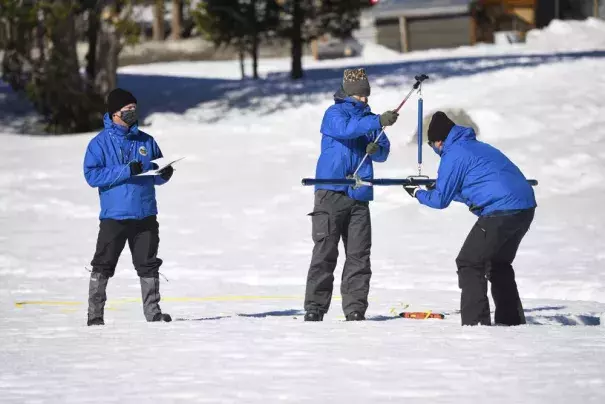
point(156, 172)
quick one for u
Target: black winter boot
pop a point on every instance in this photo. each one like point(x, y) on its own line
point(97, 295)
point(95, 321)
point(313, 316)
point(355, 316)
point(162, 317)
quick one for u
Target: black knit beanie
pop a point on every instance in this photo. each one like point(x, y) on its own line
point(355, 82)
point(118, 99)
point(440, 127)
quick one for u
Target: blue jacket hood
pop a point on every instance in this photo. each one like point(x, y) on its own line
point(457, 135)
point(340, 95)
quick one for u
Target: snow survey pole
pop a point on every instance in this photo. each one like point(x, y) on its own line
point(419, 79)
point(419, 136)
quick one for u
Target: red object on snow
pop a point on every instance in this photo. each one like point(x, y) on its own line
point(420, 315)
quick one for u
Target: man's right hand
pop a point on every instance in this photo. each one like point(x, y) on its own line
point(136, 168)
point(411, 190)
point(388, 118)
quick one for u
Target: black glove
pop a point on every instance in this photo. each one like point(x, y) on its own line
point(372, 148)
point(431, 186)
point(136, 168)
point(166, 173)
point(388, 118)
point(411, 189)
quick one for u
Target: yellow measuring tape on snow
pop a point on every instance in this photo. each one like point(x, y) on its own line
point(46, 303)
point(224, 298)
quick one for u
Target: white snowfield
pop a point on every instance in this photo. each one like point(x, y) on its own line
point(235, 241)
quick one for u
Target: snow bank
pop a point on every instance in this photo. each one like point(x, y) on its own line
point(559, 36)
point(562, 36)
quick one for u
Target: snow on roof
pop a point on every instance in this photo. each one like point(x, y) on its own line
point(418, 8)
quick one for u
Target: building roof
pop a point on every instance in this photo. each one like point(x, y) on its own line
point(419, 8)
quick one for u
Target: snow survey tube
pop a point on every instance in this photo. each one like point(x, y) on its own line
point(377, 181)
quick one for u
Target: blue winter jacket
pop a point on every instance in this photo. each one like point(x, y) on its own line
point(479, 175)
point(106, 167)
point(347, 128)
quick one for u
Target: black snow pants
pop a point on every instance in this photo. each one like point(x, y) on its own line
point(143, 240)
point(335, 215)
point(487, 255)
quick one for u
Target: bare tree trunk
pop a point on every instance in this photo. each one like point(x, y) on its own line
point(177, 19)
point(255, 57)
point(297, 42)
point(242, 58)
point(40, 41)
point(108, 49)
point(3, 33)
point(94, 22)
point(158, 20)
point(254, 34)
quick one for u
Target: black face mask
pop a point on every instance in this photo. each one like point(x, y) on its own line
point(129, 117)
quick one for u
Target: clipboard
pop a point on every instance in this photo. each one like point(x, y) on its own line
point(159, 170)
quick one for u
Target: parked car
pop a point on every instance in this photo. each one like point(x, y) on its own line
point(329, 47)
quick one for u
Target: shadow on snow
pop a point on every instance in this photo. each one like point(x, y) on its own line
point(160, 94)
point(167, 94)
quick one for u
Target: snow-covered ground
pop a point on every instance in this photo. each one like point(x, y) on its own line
point(236, 244)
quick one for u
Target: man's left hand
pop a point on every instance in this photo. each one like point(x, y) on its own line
point(372, 148)
point(166, 173)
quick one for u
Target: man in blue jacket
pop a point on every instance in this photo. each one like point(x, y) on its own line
point(349, 131)
point(494, 189)
point(114, 159)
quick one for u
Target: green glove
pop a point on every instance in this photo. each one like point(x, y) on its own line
point(372, 148)
point(388, 118)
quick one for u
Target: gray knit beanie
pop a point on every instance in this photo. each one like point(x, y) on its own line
point(355, 82)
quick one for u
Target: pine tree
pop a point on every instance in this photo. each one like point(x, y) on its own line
point(239, 23)
point(40, 57)
point(306, 20)
point(339, 18)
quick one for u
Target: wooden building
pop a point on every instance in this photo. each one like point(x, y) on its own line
point(410, 25)
point(491, 16)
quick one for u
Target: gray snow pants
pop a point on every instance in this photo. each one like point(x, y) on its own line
point(336, 215)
